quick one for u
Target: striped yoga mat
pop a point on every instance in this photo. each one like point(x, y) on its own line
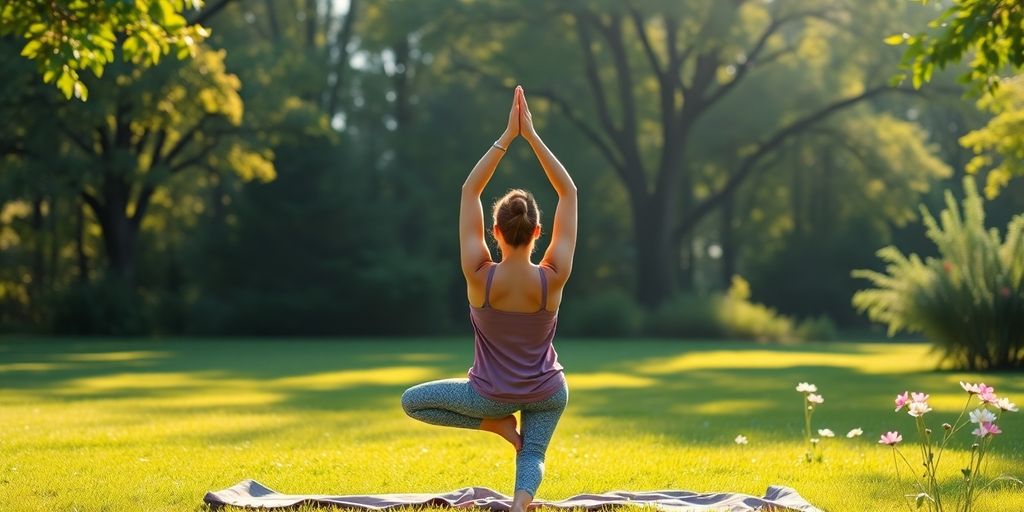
point(252, 494)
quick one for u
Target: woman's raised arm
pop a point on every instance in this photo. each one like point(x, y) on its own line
point(474, 252)
point(563, 234)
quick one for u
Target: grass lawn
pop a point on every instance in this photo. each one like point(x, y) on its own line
point(94, 425)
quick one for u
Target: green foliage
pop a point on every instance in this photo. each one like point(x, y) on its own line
point(612, 314)
point(743, 319)
point(730, 315)
point(687, 315)
point(970, 300)
point(819, 328)
point(65, 38)
point(105, 306)
point(991, 30)
point(1001, 138)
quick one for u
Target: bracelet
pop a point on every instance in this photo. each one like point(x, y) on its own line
point(495, 144)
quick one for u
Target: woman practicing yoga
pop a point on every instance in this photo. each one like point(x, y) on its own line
point(513, 310)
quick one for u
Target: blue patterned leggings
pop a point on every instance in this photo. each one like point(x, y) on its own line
point(454, 403)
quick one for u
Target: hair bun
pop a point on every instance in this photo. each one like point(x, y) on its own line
point(518, 205)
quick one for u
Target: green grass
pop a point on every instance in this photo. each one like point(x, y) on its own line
point(152, 425)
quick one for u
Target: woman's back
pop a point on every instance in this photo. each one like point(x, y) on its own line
point(514, 359)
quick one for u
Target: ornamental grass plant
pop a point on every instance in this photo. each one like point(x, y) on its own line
point(969, 301)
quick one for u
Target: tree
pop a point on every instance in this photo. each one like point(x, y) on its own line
point(999, 145)
point(65, 38)
point(141, 129)
point(993, 30)
point(654, 73)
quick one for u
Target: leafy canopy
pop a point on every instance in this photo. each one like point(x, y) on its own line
point(993, 30)
point(67, 37)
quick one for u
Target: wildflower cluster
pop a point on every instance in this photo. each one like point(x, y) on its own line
point(983, 417)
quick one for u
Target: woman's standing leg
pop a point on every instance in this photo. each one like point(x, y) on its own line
point(539, 422)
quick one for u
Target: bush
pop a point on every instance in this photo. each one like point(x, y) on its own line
point(687, 316)
point(107, 306)
point(820, 328)
point(741, 318)
point(608, 314)
point(969, 302)
point(731, 315)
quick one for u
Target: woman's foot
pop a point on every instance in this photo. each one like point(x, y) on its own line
point(504, 427)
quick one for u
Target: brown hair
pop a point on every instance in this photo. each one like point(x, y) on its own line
point(516, 214)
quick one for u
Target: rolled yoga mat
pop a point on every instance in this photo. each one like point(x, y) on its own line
point(252, 494)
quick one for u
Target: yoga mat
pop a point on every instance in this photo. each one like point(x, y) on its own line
point(252, 494)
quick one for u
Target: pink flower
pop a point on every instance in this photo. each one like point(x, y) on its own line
point(890, 438)
point(919, 397)
point(805, 387)
point(815, 399)
point(987, 429)
point(970, 388)
point(987, 394)
point(902, 400)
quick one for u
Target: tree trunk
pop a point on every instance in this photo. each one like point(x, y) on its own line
point(38, 249)
point(119, 231)
point(728, 241)
point(653, 256)
point(83, 260)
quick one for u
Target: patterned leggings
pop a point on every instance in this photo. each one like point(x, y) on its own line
point(453, 403)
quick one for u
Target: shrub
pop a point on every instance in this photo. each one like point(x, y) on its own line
point(608, 314)
point(108, 306)
point(969, 302)
point(741, 318)
point(687, 315)
point(820, 328)
point(731, 315)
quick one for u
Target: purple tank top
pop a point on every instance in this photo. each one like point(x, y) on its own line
point(514, 360)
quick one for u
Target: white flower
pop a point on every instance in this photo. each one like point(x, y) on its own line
point(1006, 405)
point(982, 416)
point(815, 399)
point(917, 409)
point(854, 433)
point(806, 388)
point(741, 439)
point(824, 432)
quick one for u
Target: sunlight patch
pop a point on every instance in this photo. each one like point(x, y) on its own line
point(391, 375)
point(112, 356)
point(604, 380)
point(31, 367)
point(899, 359)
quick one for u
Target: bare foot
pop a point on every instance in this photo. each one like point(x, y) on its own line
point(504, 427)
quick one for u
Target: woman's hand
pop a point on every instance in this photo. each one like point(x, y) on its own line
point(526, 128)
point(513, 129)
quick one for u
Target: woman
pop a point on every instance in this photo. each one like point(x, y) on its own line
point(513, 310)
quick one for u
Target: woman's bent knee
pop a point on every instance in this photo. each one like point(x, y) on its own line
point(409, 401)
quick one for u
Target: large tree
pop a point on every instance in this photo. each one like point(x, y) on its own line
point(653, 73)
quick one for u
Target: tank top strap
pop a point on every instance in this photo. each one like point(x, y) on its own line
point(487, 289)
point(543, 289)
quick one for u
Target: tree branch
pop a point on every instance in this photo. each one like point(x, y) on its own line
point(593, 79)
point(208, 12)
point(652, 57)
point(184, 140)
point(588, 132)
point(748, 164)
